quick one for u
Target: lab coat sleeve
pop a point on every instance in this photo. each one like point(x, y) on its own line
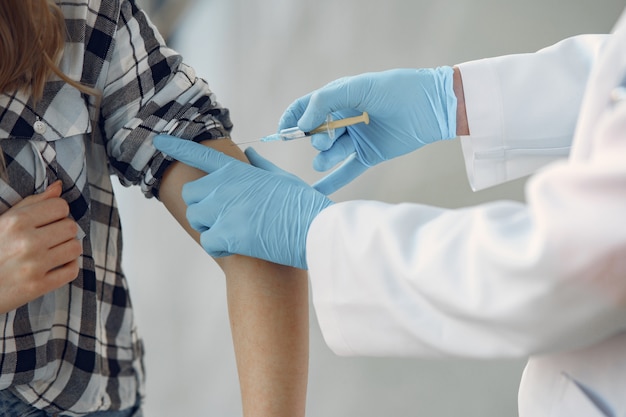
point(497, 280)
point(501, 279)
point(522, 109)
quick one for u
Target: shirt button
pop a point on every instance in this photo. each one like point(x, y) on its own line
point(618, 94)
point(40, 127)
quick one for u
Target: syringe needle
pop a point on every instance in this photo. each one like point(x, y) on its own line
point(246, 142)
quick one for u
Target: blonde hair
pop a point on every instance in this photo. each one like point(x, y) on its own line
point(32, 37)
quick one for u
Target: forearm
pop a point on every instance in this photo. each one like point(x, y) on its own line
point(268, 309)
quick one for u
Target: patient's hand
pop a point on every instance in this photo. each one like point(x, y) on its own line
point(38, 248)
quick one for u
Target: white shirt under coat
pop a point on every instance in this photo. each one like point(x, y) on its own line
point(545, 279)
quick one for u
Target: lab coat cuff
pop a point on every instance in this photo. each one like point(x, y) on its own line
point(486, 123)
point(483, 98)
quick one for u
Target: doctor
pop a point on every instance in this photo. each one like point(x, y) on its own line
point(545, 279)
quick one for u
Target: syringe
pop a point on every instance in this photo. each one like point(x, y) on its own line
point(329, 127)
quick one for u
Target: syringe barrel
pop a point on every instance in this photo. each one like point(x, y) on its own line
point(291, 133)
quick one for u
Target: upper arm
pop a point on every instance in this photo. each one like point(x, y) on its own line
point(177, 174)
point(148, 90)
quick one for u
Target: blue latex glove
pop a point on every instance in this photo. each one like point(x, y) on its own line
point(257, 210)
point(408, 108)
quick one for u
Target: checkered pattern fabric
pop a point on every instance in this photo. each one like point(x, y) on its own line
point(76, 350)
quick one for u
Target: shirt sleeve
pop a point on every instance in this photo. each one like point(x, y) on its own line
point(149, 90)
point(522, 109)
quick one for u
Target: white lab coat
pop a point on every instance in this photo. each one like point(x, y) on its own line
point(545, 279)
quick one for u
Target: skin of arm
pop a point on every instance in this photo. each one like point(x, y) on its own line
point(268, 310)
point(462, 126)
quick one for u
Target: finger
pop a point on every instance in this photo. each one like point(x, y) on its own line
point(54, 190)
point(60, 276)
point(195, 191)
point(191, 153)
point(57, 232)
point(293, 113)
point(340, 177)
point(323, 141)
point(214, 244)
point(202, 216)
point(258, 161)
point(43, 212)
point(331, 98)
point(63, 253)
point(341, 149)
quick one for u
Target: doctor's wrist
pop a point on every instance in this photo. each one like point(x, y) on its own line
point(462, 126)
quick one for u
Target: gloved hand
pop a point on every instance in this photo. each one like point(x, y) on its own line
point(408, 108)
point(257, 210)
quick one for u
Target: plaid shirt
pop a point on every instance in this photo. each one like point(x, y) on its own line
point(76, 350)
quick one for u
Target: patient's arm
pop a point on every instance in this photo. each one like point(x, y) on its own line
point(268, 309)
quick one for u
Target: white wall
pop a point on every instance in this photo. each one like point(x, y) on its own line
point(258, 56)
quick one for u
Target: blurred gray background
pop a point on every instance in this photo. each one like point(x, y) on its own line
point(258, 56)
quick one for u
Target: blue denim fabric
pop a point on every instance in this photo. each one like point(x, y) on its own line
point(11, 406)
